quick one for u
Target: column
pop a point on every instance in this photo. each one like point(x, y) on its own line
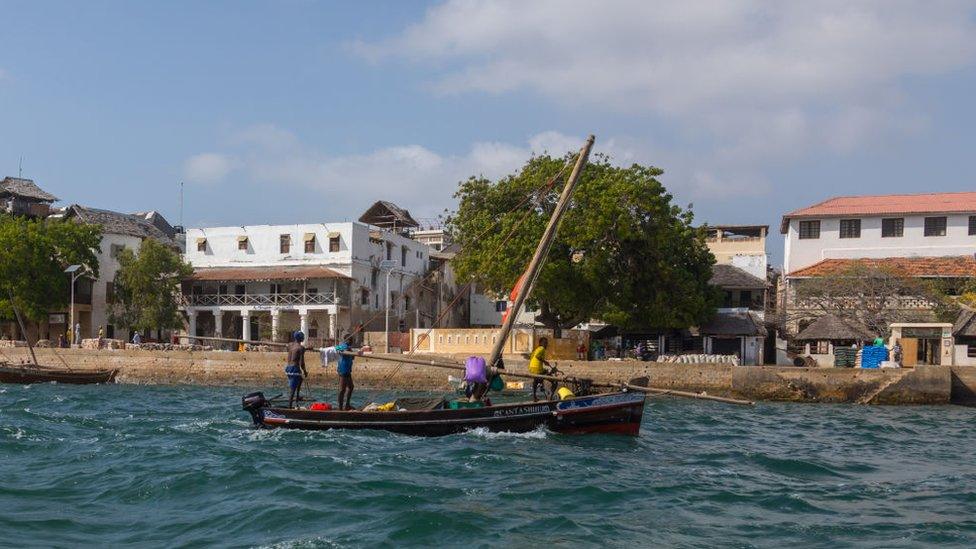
point(191, 324)
point(333, 328)
point(246, 325)
point(275, 320)
point(218, 323)
point(303, 317)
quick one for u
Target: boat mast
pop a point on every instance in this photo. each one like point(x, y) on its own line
point(541, 251)
point(23, 330)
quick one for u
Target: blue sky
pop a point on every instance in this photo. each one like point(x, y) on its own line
point(299, 111)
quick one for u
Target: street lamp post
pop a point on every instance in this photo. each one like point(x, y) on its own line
point(75, 271)
point(387, 264)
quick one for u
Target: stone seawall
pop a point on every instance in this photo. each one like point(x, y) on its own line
point(922, 385)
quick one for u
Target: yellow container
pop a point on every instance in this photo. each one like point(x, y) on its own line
point(564, 393)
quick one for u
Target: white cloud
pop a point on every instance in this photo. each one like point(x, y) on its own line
point(421, 179)
point(746, 83)
point(208, 167)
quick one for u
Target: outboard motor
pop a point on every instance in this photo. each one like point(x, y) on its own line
point(254, 403)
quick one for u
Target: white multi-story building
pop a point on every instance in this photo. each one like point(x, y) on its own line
point(930, 236)
point(861, 227)
point(265, 281)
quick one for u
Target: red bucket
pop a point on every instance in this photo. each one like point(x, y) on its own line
point(320, 406)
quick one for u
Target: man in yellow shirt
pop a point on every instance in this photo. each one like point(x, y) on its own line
point(538, 365)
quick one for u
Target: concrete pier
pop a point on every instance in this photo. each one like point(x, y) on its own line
point(922, 385)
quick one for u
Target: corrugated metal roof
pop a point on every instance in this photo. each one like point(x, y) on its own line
point(921, 267)
point(251, 274)
point(889, 204)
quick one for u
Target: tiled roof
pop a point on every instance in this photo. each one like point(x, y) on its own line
point(965, 325)
point(731, 277)
point(118, 223)
point(923, 267)
point(734, 324)
point(250, 274)
point(890, 204)
point(829, 327)
point(387, 214)
point(25, 188)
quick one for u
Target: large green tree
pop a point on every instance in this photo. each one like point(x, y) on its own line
point(625, 253)
point(33, 256)
point(147, 287)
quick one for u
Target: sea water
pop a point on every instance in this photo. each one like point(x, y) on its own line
point(124, 465)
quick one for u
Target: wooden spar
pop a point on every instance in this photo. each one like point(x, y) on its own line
point(451, 365)
point(23, 330)
point(686, 394)
point(435, 363)
point(232, 340)
point(541, 251)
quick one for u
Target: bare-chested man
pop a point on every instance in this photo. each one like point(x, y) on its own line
point(295, 369)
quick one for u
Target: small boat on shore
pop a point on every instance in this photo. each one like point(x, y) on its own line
point(613, 413)
point(29, 373)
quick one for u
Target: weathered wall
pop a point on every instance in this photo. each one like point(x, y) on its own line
point(922, 385)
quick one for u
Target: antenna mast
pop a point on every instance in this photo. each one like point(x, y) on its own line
point(181, 204)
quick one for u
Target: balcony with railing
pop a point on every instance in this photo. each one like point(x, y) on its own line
point(262, 300)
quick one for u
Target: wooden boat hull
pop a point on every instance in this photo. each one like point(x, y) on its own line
point(616, 413)
point(29, 374)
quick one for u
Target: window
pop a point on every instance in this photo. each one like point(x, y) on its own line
point(972, 225)
point(745, 298)
point(109, 292)
point(333, 243)
point(310, 243)
point(242, 243)
point(239, 289)
point(285, 243)
point(202, 245)
point(403, 256)
point(364, 297)
point(222, 289)
point(935, 226)
point(971, 350)
point(809, 229)
point(389, 251)
point(406, 303)
point(501, 306)
point(313, 291)
point(850, 228)
point(893, 227)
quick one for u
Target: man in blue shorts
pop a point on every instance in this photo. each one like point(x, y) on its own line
point(344, 370)
point(295, 369)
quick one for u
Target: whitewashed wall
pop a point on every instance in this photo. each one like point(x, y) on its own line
point(803, 253)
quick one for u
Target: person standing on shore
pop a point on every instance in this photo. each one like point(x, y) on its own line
point(295, 368)
point(896, 353)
